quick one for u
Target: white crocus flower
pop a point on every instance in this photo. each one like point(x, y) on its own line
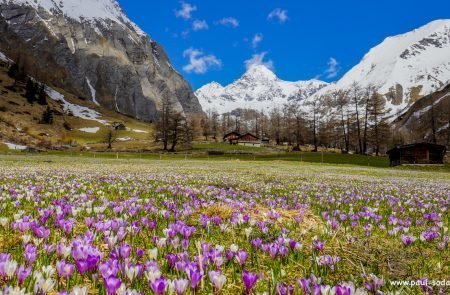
point(48, 271)
point(10, 268)
point(153, 254)
point(79, 291)
point(153, 275)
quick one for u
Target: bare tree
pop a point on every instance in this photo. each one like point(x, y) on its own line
point(355, 90)
point(276, 121)
point(377, 117)
point(315, 120)
point(110, 137)
point(172, 127)
point(341, 101)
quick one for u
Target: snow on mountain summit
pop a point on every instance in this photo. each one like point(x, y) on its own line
point(404, 67)
point(83, 10)
point(259, 88)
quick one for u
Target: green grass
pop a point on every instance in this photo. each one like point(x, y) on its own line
point(304, 157)
point(225, 147)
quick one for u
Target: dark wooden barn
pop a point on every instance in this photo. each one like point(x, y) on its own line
point(417, 153)
point(232, 137)
point(249, 139)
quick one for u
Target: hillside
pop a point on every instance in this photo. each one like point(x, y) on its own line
point(428, 113)
point(77, 123)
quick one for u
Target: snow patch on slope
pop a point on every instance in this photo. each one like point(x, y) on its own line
point(3, 57)
point(77, 110)
point(13, 146)
point(90, 129)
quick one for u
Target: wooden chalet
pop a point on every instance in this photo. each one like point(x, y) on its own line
point(417, 154)
point(231, 137)
point(246, 139)
point(249, 139)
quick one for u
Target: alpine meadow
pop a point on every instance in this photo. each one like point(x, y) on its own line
point(224, 147)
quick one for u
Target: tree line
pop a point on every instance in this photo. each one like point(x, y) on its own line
point(351, 120)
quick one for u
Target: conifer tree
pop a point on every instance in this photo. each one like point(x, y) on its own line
point(42, 96)
point(30, 91)
point(47, 116)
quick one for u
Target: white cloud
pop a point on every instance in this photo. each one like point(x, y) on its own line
point(279, 14)
point(257, 39)
point(200, 63)
point(186, 10)
point(229, 22)
point(258, 59)
point(199, 25)
point(333, 68)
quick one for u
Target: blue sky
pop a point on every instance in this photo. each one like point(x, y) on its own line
point(214, 40)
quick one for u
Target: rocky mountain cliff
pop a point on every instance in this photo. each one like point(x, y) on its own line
point(259, 88)
point(428, 115)
point(92, 50)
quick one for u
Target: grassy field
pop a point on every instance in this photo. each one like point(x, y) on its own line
point(309, 157)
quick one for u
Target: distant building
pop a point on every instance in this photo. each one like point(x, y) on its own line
point(232, 137)
point(249, 139)
point(417, 153)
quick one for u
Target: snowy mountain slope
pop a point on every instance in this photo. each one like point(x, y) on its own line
point(259, 89)
point(92, 11)
point(403, 68)
point(94, 52)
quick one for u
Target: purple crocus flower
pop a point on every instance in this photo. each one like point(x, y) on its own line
point(109, 268)
point(318, 245)
point(284, 289)
point(158, 286)
point(407, 240)
point(256, 242)
point(82, 266)
point(41, 232)
point(30, 253)
point(194, 277)
point(64, 269)
point(125, 251)
point(23, 273)
point(241, 257)
point(250, 280)
point(112, 284)
point(343, 290)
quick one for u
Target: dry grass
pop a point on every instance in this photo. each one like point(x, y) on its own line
point(9, 242)
point(305, 219)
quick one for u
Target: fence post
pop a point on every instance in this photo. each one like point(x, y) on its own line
point(322, 156)
point(117, 155)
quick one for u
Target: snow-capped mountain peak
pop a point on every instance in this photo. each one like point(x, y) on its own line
point(83, 10)
point(405, 67)
point(259, 88)
point(259, 73)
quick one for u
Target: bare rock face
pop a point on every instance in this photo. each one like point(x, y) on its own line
point(106, 60)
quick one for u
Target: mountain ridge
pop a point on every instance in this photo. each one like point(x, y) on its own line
point(403, 68)
point(257, 85)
